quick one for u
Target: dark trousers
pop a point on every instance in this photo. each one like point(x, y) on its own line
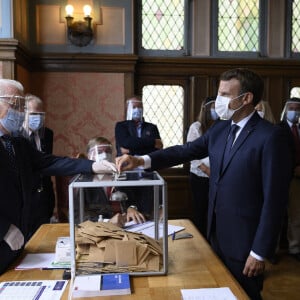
point(199, 186)
point(252, 285)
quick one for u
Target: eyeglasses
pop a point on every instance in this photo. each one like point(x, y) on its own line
point(15, 101)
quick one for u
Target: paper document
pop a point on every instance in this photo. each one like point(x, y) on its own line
point(40, 261)
point(32, 290)
point(148, 228)
point(223, 293)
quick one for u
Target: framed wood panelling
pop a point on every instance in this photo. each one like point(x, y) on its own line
point(179, 197)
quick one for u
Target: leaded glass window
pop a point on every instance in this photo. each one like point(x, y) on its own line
point(164, 106)
point(295, 92)
point(163, 26)
point(238, 25)
point(295, 47)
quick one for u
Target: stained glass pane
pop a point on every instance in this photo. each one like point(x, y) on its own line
point(238, 25)
point(163, 24)
point(164, 106)
point(296, 27)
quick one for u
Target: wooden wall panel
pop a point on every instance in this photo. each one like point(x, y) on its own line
point(179, 197)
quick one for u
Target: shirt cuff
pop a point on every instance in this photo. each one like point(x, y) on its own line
point(256, 256)
point(147, 161)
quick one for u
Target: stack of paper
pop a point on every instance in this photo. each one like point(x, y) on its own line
point(223, 293)
point(104, 247)
point(32, 290)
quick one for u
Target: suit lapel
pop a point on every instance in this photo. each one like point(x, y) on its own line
point(249, 127)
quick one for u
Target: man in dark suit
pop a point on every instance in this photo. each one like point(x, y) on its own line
point(19, 162)
point(137, 137)
point(290, 121)
point(41, 138)
point(249, 179)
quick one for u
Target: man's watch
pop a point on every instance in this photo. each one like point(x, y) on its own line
point(134, 207)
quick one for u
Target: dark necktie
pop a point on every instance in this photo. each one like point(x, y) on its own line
point(297, 142)
point(9, 148)
point(32, 140)
point(234, 128)
point(138, 125)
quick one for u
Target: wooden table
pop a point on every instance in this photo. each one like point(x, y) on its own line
point(192, 264)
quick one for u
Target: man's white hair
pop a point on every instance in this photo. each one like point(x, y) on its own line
point(36, 99)
point(6, 83)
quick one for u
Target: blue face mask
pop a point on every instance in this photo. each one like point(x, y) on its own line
point(214, 116)
point(137, 113)
point(13, 120)
point(35, 122)
point(293, 116)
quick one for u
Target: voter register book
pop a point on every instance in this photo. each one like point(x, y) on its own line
point(101, 285)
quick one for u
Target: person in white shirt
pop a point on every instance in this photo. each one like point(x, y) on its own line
point(200, 168)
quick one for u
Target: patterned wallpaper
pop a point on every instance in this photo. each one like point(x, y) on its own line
point(79, 106)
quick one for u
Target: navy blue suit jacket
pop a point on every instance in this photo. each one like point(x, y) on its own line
point(16, 188)
point(248, 198)
point(126, 137)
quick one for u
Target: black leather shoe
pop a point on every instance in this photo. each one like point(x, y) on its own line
point(295, 255)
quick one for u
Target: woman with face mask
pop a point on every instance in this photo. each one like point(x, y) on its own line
point(200, 169)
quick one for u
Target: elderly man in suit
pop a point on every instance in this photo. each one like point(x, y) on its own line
point(41, 137)
point(19, 162)
point(250, 173)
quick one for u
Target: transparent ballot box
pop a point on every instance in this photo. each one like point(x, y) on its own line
point(98, 246)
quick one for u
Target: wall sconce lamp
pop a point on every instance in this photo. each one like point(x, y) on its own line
point(80, 33)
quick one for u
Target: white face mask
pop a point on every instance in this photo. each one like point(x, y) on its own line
point(104, 156)
point(261, 113)
point(222, 107)
point(13, 120)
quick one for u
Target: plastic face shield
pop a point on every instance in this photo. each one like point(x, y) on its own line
point(131, 105)
point(291, 112)
point(101, 152)
point(14, 101)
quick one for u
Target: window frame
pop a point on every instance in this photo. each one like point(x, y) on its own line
point(170, 53)
point(288, 47)
point(184, 83)
point(263, 6)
